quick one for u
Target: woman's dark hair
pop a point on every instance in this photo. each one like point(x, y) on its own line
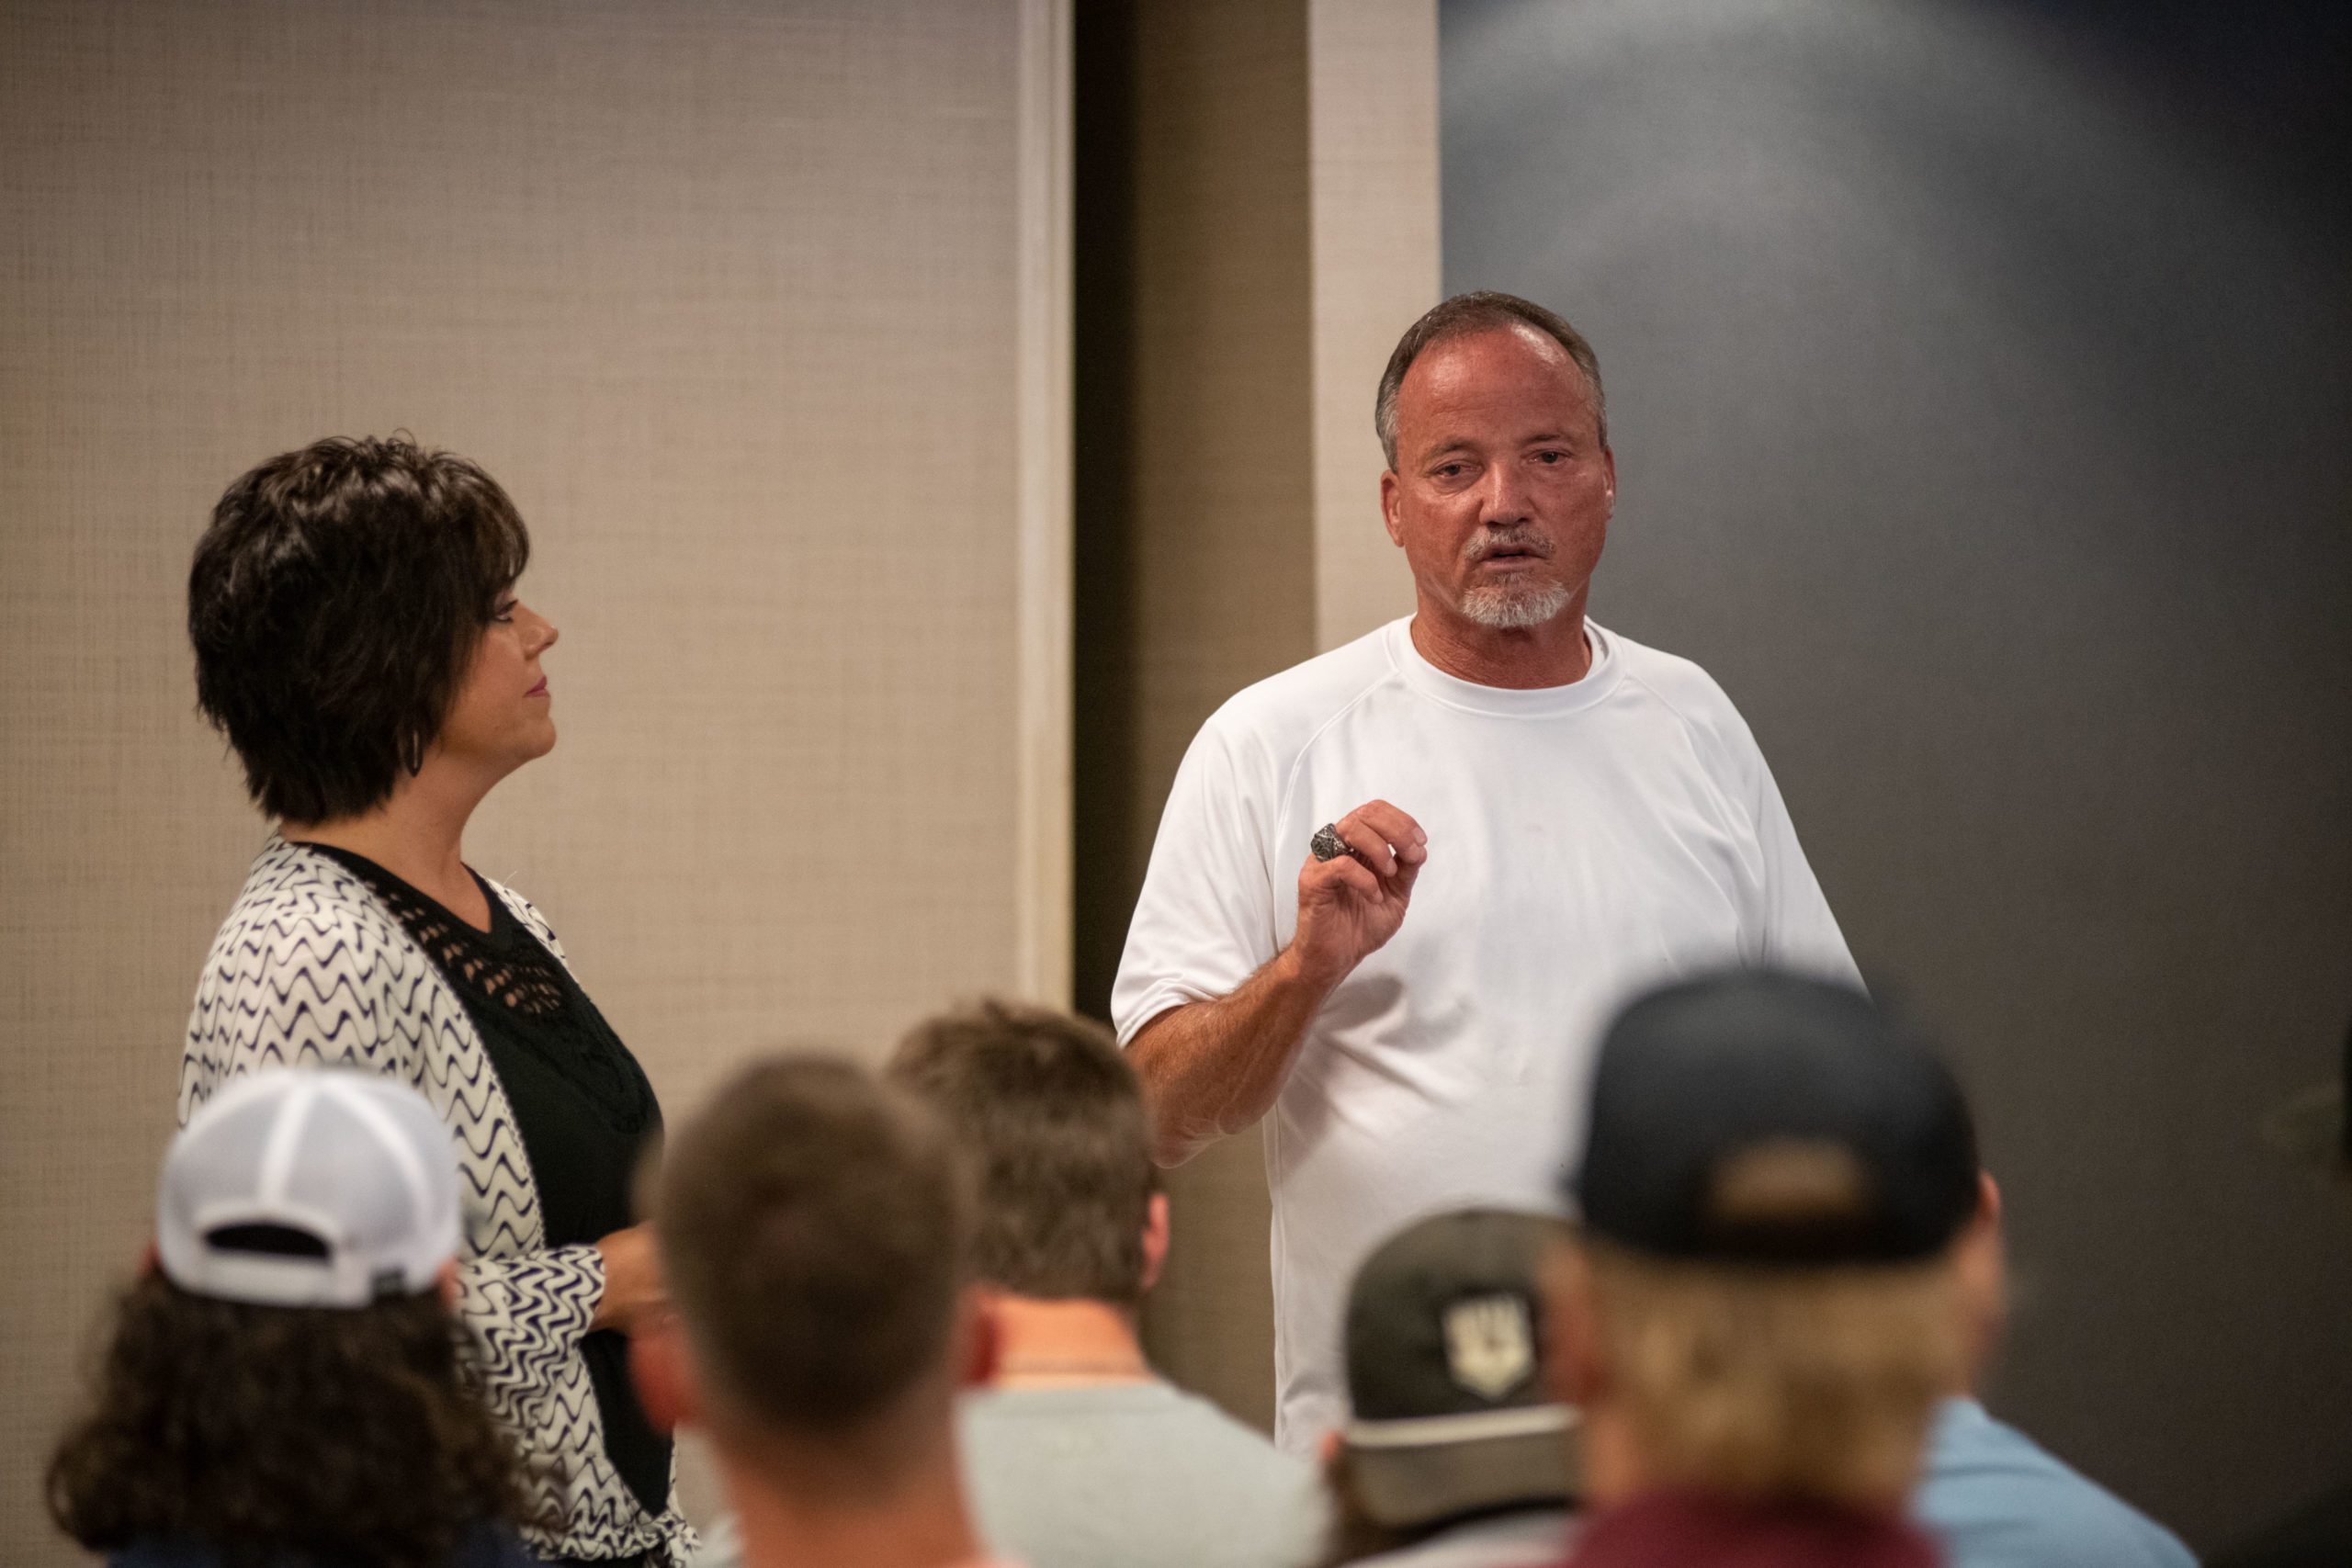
point(344, 1436)
point(334, 604)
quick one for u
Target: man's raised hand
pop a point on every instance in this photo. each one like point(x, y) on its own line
point(1351, 904)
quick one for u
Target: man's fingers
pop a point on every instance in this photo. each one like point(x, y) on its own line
point(1368, 844)
point(1402, 884)
point(1392, 825)
point(1347, 872)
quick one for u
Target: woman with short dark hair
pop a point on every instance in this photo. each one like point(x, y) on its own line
point(359, 641)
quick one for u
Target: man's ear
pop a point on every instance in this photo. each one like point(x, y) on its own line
point(150, 1259)
point(983, 1339)
point(660, 1364)
point(1572, 1368)
point(446, 1281)
point(1155, 1239)
point(1392, 499)
point(1983, 1276)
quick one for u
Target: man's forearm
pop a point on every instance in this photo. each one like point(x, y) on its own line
point(1213, 1069)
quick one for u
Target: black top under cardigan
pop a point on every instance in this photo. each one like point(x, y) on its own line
point(584, 1108)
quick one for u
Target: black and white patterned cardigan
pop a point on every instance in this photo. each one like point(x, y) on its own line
point(311, 967)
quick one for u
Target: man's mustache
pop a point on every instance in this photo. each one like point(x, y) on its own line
point(1523, 541)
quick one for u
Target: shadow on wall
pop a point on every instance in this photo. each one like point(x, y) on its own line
point(1980, 376)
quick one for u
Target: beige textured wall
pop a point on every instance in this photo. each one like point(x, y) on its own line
point(1222, 520)
point(1260, 225)
point(1372, 73)
point(731, 298)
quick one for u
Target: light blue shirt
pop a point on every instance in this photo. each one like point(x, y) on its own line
point(1997, 1499)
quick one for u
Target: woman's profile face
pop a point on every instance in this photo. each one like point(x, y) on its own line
point(501, 717)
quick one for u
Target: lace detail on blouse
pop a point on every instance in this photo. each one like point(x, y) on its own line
point(523, 982)
point(505, 970)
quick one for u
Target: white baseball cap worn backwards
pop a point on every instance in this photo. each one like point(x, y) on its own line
point(308, 1187)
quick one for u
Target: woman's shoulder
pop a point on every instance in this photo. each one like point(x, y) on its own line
point(292, 887)
point(301, 913)
point(307, 965)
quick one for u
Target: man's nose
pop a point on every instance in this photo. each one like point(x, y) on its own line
point(1503, 503)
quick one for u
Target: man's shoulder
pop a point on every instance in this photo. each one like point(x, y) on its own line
point(1682, 684)
point(1155, 1419)
point(1045, 1464)
point(1998, 1497)
point(1298, 701)
point(1536, 1538)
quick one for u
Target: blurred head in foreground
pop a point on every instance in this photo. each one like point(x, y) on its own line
point(814, 1229)
point(1069, 1207)
point(1077, 1453)
point(1454, 1427)
point(283, 1382)
point(1763, 1302)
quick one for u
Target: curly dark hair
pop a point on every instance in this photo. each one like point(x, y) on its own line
point(334, 602)
point(344, 1436)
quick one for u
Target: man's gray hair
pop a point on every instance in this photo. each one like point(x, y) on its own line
point(1483, 310)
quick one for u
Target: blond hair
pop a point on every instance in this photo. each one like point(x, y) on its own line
point(1775, 1381)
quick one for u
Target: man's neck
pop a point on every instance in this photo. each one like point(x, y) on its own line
point(1065, 1344)
point(1613, 1469)
point(1556, 653)
point(922, 1523)
point(1613, 1465)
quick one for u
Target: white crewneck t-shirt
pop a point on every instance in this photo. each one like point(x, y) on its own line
point(1585, 841)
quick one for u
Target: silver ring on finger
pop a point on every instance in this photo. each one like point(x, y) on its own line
point(1327, 844)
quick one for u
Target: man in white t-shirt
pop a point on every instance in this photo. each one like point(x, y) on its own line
point(1526, 819)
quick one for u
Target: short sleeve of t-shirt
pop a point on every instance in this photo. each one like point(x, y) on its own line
point(1788, 921)
point(1206, 920)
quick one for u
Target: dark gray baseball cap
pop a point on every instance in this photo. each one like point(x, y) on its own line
point(1445, 1356)
point(1695, 1076)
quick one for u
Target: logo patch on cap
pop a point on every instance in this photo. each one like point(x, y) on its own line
point(1489, 1344)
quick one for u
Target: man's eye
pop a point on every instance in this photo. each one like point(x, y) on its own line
point(1551, 458)
point(1449, 470)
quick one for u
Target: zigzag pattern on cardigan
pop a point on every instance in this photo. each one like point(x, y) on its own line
point(311, 967)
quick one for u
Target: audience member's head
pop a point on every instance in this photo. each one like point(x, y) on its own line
point(1053, 1120)
point(336, 605)
point(813, 1228)
point(1762, 1300)
point(1452, 1415)
point(283, 1385)
point(1077, 1453)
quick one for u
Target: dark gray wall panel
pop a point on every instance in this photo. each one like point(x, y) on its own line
point(1979, 382)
